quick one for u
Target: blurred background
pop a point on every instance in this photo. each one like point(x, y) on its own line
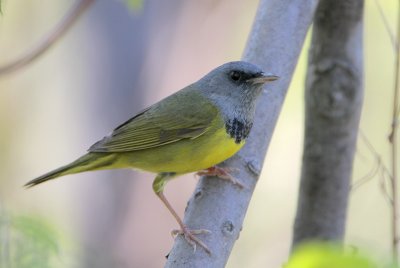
point(111, 64)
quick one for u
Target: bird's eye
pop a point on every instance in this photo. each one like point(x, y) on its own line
point(235, 75)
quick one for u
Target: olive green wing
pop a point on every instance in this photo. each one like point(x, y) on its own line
point(184, 115)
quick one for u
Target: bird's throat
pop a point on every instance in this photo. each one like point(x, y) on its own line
point(237, 129)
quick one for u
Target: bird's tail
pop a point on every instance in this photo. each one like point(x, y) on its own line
point(90, 161)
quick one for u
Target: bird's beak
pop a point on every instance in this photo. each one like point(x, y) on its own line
point(263, 78)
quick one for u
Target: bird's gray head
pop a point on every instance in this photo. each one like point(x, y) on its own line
point(235, 86)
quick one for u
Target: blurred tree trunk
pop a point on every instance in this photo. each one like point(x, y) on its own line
point(118, 91)
point(334, 91)
point(113, 94)
point(274, 44)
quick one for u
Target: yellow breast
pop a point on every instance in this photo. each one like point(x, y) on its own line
point(185, 156)
point(220, 146)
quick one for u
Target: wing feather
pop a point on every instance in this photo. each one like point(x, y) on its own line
point(184, 115)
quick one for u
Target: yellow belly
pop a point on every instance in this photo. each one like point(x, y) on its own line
point(186, 155)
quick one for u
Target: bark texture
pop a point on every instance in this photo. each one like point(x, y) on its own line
point(274, 44)
point(334, 91)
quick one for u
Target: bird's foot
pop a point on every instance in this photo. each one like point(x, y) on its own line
point(222, 173)
point(190, 237)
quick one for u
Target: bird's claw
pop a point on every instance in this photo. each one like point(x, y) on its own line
point(223, 173)
point(190, 237)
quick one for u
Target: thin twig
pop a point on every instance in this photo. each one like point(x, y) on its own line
point(387, 26)
point(379, 166)
point(393, 140)
point(72, 16)
point(367, 177)
point(368, 143)
point(385, 176)
point(378, 169)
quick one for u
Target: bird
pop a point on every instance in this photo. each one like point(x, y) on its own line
point(192, 130)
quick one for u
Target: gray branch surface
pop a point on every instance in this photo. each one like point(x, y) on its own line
point(334, 93)
point(274, 44)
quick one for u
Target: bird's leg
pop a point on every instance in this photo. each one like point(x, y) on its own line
point(222, 173)
point(189, 235)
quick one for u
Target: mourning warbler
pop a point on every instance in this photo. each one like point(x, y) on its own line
point(192, 130)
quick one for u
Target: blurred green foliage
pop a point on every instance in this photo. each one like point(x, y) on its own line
point(134, 5)
point(329, 255)
point(27, 241)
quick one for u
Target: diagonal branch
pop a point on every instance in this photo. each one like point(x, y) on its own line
point(274, 44)
point(70, 18)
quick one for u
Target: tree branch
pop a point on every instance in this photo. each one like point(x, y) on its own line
point(65, 24)
point(334, 91)
point(274, 44)
point(393, 139)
